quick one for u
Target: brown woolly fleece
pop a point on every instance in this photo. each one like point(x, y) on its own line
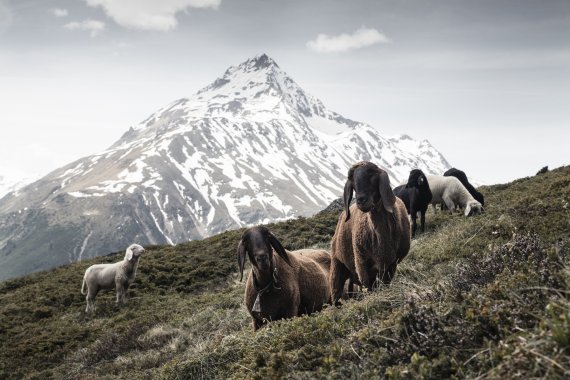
point(292, 284)
point(371, 242)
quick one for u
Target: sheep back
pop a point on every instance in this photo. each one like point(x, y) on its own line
point(102, 275)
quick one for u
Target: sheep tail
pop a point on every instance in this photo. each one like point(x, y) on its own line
point(83, 287)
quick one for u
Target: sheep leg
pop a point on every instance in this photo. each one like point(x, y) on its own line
point(414, 224)
point(90, 305)
point(449, 203)
point(256, 324)
point(389, 272)
point(338, 276)
point(121, 293)
point(295, 311)
point(90, 298)
point(372, 278)
point(364, 277)
point(423, 220)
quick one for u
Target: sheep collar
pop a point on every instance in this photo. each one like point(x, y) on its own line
point(273, 284)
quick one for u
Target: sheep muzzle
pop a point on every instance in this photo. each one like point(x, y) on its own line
point(262, 261)
point(364, 203)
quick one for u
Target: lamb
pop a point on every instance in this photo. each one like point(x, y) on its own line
point(461, 176)
point(416, 195)
point(118, 275)
point(450, 191)
point(285, 285)
point(372, 236)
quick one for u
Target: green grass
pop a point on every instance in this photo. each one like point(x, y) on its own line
point(480, 297)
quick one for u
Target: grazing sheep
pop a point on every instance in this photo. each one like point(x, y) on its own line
point(373, 235)
point(461, 176)
point(285, 285)
point(450, 191)
point(118, 275)
point(416, 195)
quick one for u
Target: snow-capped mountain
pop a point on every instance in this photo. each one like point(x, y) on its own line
point(251, 147)
point(12, 182)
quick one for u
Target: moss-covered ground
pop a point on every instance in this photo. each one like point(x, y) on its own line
point(479, 297)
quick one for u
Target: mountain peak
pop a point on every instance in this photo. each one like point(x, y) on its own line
point(259, 62)
point(256, 89)
point(260, 66)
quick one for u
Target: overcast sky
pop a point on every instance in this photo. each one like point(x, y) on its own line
point(487, 82)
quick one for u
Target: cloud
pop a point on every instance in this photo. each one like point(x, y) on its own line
point(59, 12)
point(149, 14)
point(360, 38)
point(95, 27)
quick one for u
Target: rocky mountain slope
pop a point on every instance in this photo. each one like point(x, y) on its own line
point(10, 183)
point(251, 147)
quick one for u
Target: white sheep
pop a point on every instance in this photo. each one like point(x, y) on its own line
point(451, 192)
point(118, 275)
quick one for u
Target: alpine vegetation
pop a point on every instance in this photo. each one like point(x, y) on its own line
point(482, 297)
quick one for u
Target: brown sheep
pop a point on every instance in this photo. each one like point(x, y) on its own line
point(373, 235)
point(285, 285)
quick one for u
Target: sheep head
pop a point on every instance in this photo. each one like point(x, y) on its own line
point(416, 179)
point(259, 244)
point(473, 208)
point(371, 186)
point(135, 251)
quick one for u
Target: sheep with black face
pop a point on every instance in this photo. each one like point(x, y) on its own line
point(416, 195)
point(371, 236)
point(284, 285)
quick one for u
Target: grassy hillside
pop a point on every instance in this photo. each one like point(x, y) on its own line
point(482, 297)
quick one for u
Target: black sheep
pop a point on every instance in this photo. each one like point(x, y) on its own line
point(416, 195)
point(463, 179)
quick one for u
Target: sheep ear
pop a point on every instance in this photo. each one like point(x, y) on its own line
point(279, 248)
point(467, 209)
point(348, 189)
point(241, 258)
point(386, 194)
point(129, 254)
